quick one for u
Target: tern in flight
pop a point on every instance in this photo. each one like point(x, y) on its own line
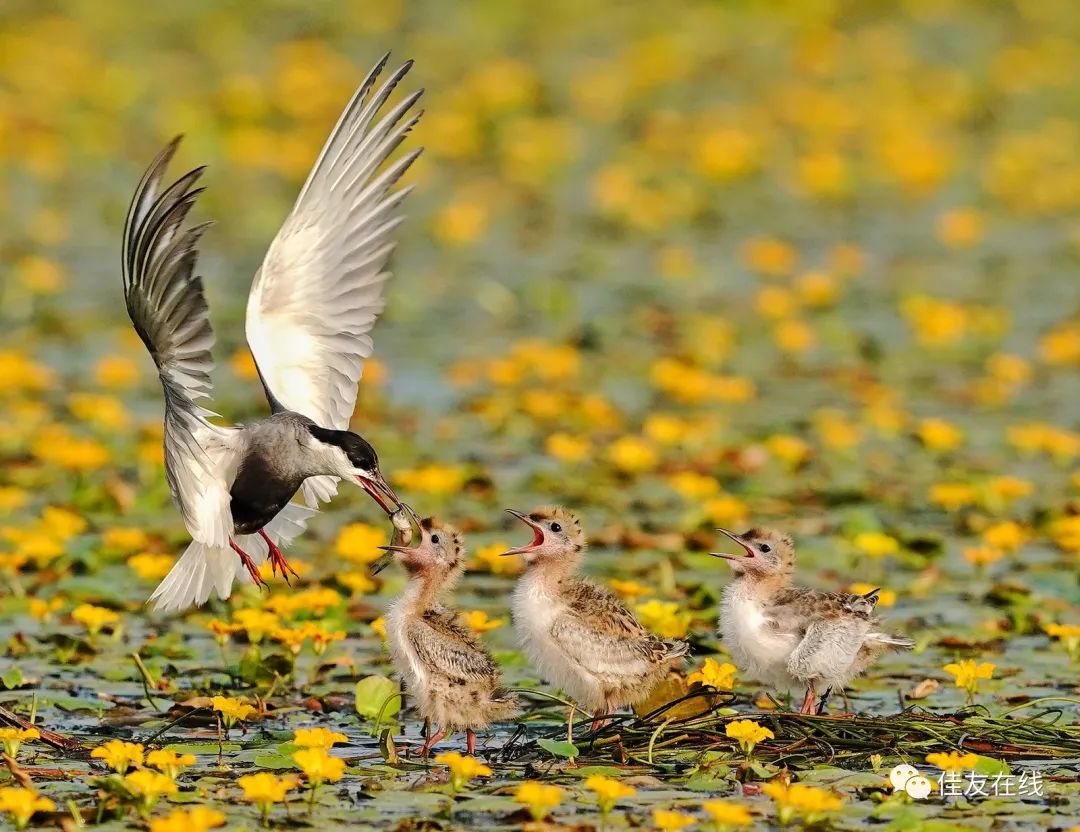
point(310, 312)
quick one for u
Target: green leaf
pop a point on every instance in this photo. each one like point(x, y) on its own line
point(990, 766)
point(560, 748)
point(375, 695)
point(12, 678)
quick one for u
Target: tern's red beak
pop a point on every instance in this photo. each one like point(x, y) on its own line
point(380, 491)
point(538, 535)
point(740, 541)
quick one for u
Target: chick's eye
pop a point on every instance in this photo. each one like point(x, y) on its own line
point(765, 548)
point(434, 538)
point(556, 527)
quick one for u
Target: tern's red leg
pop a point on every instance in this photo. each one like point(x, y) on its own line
point(470, 740)
point(249, 564)
point(808, 704)
point(277, 560)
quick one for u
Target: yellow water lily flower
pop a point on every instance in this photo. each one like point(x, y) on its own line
point(538, 798)
point(119, 755)
point(809, 802)
point(726, 815)
point(319, 766)
point(21, 804)
point(608, 791)
point(478, 621)
point(13, 738)
point(317, 738)
point(198, 819)
point(713, 674)
point(748, 734)
point(94, 619)
point(232, 710)
point(169, 762)
point(463, 768)
point(953, 761)
point(264, 790)
point(669, 821)
point(148, 787)
point(968, 673)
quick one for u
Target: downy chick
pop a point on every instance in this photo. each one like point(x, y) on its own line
point(578, 634)
point(452, 676)
point(790, 636)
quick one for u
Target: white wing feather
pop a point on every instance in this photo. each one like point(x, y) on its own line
point(319, 290)
point(165, 301)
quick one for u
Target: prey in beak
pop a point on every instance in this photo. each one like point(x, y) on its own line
point(727, 556)
point(412, 519)
point(538, 535)
point(386, 559)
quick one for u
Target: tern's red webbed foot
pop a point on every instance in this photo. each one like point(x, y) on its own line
point(277, 560)
point(249, 564)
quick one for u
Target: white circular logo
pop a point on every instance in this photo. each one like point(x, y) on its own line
point(901, 774)
point(918, 787)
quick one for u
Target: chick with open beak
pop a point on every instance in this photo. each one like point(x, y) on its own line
point(443, 665)
point(577, 633)
point(791, 636)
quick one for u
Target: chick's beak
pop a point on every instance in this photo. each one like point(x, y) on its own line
point(386, 559)
point(740, 541)
point(538, 534)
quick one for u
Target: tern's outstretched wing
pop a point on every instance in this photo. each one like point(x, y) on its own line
point(165, 301)
point(317, 294)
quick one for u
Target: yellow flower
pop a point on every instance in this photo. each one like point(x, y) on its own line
point(169, 762)
point(876, 544)
point(567, 448)
point(1010, 488)
point(150, 567)
point(966, 674)
point(1061, 345)
point(836, 429)
point(317, 738)
point(886, 597)
point(714, 675)
point(769, 256)
point(748, 734)
point(1067, 634)
point(232, 710)
point(798, 798)
point(62, 523)
point(318, 766)
point(936, 322)
point(960, 227)
point(489, 558)
point(725, 814)
point(359, 542)
point(116, 371)
point(19, 373)
point(119, 755)
point(12, 738)
point(461, 222)
point(358, 583)
point(775, 302)
point(198, 819)
point(952, 496)
point(478, 621)
point(256, 623)
point(953, 761)
point(817, 289)
point(538, 798)
point(794, 336)
point(21, 804)
point(148, 787)
point(1008, 536)
point(265, 789)
point(12, 498)
point(670, 821)
point(791, 450)
point(629, 589)
point(105, 412)
point(123, 539)
point(70, 452)
point(982, 555)
point(94, 619)
point(726, 510)
point(632, 455)
point(665, 618)
point(379, 626)
point(608, 791)
point(693, 486)
point(432, 479)
point(462, 768)
point(939, 435)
